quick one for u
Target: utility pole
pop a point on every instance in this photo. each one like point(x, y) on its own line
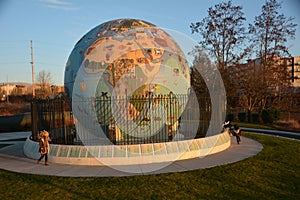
point(7, 100)
point(32, 70)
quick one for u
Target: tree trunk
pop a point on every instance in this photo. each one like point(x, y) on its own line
point(249, 116)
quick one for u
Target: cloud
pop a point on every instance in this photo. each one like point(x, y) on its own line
point(59, 4)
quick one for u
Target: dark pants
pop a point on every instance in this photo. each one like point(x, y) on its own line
point(42, 156)
point(238, 139)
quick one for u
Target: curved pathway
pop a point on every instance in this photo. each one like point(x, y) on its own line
point(285, 134)
point(13, 159)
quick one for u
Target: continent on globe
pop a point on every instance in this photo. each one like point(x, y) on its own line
point(130, 72)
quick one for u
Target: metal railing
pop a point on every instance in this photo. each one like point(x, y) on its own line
point(126, 120)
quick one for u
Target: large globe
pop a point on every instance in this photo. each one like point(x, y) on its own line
point(131, 58)
point(134, 48)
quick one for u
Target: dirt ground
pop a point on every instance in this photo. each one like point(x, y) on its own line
point(7, 109)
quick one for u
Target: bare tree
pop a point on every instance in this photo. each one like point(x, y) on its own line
point(271, 31)
point(224, 37)
point(269, 35)
point(45, 81)
point(248, 77)
point(223, 33)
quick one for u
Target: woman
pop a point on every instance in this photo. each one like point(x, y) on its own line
point(44, 146)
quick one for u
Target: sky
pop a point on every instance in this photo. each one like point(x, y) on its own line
point(55, 26)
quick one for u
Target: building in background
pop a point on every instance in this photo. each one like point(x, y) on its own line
point(254, 67)
point(294, 67)
point(19, 89)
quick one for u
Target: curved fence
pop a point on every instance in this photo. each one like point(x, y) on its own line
point(55, 116)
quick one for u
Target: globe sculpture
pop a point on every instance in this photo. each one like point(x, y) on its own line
point(124, 74)
point(132, 103)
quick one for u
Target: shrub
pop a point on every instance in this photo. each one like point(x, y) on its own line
point(230, 117)
point(242, 117)
point(270, 115)
point(255, 117)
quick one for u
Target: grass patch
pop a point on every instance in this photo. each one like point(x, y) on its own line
point(250, 125)
point(4, 145)
point(7, 109)
point(272, 174)
point(14, 140)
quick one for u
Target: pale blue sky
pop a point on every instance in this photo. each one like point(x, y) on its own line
point(55, 26)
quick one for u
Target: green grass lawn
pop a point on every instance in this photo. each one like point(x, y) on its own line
point(3, 145)
point(13, 140)
point(272, 174)
point(250, 125)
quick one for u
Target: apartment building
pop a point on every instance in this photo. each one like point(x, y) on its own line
point(294, 67)
point(254, 67)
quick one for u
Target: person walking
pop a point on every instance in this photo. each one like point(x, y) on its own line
point(237, 133)
point(227, 126)
point(44, 146)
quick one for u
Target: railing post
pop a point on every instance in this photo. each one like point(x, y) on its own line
point(62, 102)
point(34, 120)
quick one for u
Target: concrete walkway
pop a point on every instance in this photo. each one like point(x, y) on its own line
point(13, 159)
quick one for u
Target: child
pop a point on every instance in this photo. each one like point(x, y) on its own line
point(44, 146)
point(237, 133)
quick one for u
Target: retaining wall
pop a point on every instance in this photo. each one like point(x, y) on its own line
point(131, 154)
